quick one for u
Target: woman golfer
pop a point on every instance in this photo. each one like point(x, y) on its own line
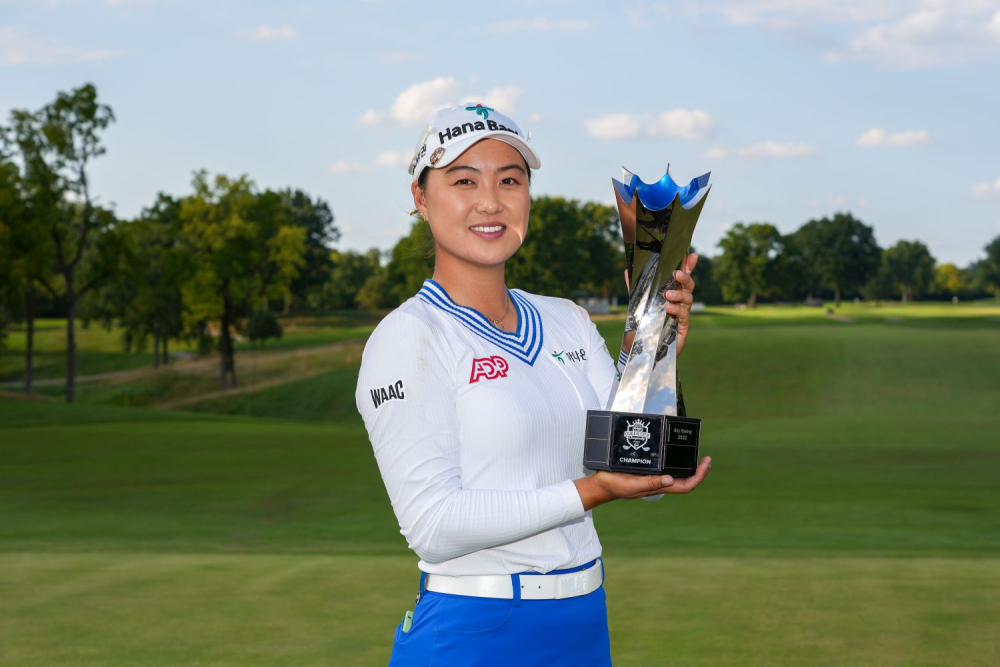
point(474, 396)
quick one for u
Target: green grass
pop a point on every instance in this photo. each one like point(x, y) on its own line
point(266, 609)
point(852, 514)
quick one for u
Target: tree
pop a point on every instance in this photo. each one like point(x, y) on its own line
point(989, 268)
point(6, 282)
point(411, 261)
point(56, 146)
point(146, 299)
point(879, 287)
point(263, 325)
point(949, 280)
point(317, 219)
point(376, 293)
point(216, 228)
point(707, 288)
point(911, 267)
point(750, 259)
point(350, 270)
point(10, 210)
point(840, 252)
point(282, 246)
point(571, 247)
point(243, 251)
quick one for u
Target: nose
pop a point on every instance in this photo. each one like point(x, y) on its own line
point(489, 199)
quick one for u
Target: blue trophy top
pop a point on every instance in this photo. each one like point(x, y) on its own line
point(659, 194)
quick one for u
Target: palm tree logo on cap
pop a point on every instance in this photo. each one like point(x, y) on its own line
point(481, 110)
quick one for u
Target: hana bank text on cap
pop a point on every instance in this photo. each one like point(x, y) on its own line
point(453, 130)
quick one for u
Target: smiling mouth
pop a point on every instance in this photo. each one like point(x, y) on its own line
point(487, 229)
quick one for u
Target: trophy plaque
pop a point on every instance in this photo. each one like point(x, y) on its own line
point(645, 429)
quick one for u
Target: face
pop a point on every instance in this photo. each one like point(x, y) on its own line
point(477, 206)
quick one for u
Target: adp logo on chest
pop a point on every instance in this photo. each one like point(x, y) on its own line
point(489, 368)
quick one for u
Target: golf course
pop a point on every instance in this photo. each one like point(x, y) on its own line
point(851, 517)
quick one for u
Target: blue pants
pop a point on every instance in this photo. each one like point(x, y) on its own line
point(457, 630)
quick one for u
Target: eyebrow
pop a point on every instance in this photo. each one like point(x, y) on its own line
point(462, 167)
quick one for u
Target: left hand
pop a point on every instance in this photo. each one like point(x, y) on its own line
point(680, 298)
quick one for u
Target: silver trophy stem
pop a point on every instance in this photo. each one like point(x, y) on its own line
point(631, 393)
point(660, 241)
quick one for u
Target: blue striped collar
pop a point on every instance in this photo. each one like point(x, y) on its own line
point(525, 343)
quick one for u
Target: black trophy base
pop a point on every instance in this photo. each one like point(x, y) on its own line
point(641, 444)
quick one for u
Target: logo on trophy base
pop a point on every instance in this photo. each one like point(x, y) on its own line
point(645, 429)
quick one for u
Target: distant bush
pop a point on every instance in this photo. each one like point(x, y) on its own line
point(263, 325)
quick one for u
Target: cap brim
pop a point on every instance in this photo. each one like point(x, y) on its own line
point(457, 148)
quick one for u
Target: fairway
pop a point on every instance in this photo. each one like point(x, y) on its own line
point(852, 515)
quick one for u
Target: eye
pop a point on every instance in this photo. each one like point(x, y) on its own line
point(464, 181)
point(510, 180)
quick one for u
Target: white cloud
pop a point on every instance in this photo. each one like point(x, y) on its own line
point(503, 100)
point(415, 105)
point(716, 153)
point(119, 3)
point(938, 33)
point(263, 33)
point(394, 159)
point(17, 49)
point(676, 123)
point(985, 189)
point(681, 124)
point(888, 33)
point(372, 117)
point(783, 13)
point(613, 126)
point(535, 118)
point(539, 25)
point(346, 167)
point(877, 137)
point(993, 27)
point(779, 150)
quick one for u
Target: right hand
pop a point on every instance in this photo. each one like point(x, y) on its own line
point(603, 487)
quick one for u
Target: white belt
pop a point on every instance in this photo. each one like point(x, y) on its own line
point(533, 586)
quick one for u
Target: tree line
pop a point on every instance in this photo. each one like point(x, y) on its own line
point(227, 258)
point(836, 257)
point(199, 267)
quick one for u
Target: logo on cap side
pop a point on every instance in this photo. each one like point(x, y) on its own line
point(481, 110)
point(436, 155)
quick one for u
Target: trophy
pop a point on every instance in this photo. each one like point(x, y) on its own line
point(645, 429)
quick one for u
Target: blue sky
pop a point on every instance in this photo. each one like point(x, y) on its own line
point(800, 108)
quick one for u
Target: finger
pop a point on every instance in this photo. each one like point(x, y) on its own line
point(680, 311)
point(679, 296)
point(684, 280)
point(691, 483)
point(626, 485)
point(690, 262)
point(647, 485)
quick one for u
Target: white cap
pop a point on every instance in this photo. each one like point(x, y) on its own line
point(453, 130)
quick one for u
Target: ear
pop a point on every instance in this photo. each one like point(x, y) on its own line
point(419, 199)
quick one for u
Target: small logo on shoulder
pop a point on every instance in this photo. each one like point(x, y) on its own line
point(392, 392)
point(489, 368)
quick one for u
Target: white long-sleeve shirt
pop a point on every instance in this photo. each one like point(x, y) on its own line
point(478, 433)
